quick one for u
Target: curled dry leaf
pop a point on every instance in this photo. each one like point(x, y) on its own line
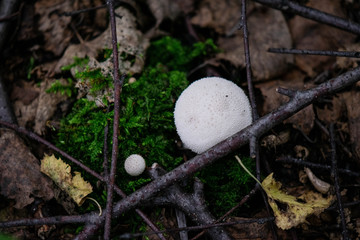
point(267, 29)
point(131, 45)
point(301, 152)
point(20, 176)
point(53, 25)
point(39, 106)
point(60, 173)
point(274, 140)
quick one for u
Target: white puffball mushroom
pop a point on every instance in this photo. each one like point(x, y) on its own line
point(135, 165)
point(210, 110)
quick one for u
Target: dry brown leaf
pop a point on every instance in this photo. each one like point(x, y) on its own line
point(308, 34)
point(130, 40)
point(54, 27)
point(223, 16)
point(25, 92)
point(20, 176)
point(303, 120)
point(132, 44)
point(41, 108)
point(267, 29)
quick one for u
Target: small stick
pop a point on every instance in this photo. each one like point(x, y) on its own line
point(313, 14)
point(301, 162)
point(335, 175)
point(315, 52)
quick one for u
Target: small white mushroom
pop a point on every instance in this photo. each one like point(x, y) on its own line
point(135, 165)
point(210, 110)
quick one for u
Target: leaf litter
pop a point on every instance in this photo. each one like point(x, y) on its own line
point(223, 20)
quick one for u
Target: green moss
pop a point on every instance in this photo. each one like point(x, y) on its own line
point(175, 55)
point(58, 87)
point(146, 124)
point(78, 62)
point(96, 79)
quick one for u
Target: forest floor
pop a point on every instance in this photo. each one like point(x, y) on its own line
point(314, 154)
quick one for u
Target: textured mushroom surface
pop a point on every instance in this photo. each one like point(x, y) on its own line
point(135, 165)
point(209, 111)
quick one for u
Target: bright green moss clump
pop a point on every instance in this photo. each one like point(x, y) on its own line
point(146, 122)
point(175, 55)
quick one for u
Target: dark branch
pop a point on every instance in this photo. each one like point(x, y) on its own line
point(86, 218)
point(313, 14)
point(335, 175)
point(315, 52)
point(110, 180)
point(301, 162)
point(192, 204)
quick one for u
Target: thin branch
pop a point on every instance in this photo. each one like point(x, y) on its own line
point(255, 114)
point(110, 181)
point(258, 128)
point(313, 14)
point(335, 175)
point(86, 218)
point(242, 202)
point(192, 204)
point(254, 143)
point(73, 13)
point(315, 52)
point(301, 162)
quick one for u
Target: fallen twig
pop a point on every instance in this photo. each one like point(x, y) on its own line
point(110, 180)
point(314, 14)
point(301, 162)
point(315, 52)
point(192, 204)
point(335, 175)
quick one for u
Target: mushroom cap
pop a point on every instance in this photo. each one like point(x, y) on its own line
point(135, 165)
point(210, 110)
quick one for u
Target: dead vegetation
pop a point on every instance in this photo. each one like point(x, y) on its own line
point(306, 127)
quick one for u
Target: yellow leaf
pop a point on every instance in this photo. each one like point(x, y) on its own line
point(60, 173)
point(296, 209)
